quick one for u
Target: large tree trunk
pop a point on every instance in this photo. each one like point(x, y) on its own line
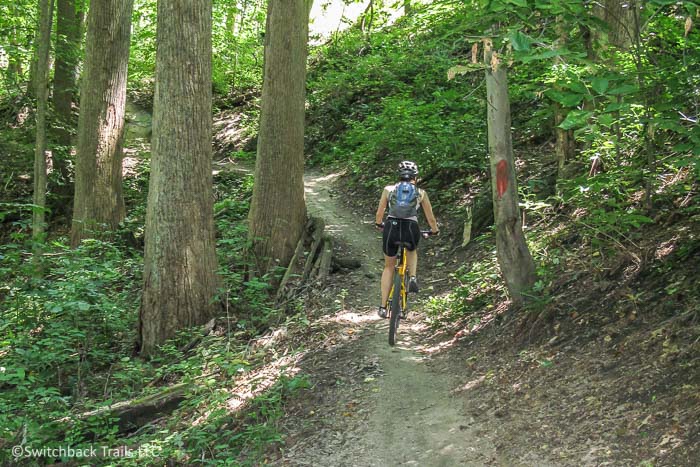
point(278, 212)
point(514, 258)
point(180, 280)
point(622, 17)
point(64, 87)
point(99, 204)
point(41, 81)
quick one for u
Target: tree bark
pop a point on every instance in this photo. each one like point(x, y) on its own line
point(180, 280)
point(622, 17)
point(565, 143)
point(99, 203)
point(15, 66)
point(68, 25)
point(278, 212)
point(41, 80)
point(514, 258)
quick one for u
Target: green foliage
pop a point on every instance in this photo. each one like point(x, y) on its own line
point(61, 329)
point(17, 26)
point(249, 297)
point(373, 104)
point(236, 43)
point(68, 328)
point(478, 291)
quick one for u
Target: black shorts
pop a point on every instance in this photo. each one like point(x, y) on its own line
point(399, 230)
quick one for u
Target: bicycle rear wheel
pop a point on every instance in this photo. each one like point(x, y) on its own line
point(395, 309)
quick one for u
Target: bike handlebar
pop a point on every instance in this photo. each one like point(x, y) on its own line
point(424, 233)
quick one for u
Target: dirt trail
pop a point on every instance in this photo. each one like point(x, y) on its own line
point(376, 405)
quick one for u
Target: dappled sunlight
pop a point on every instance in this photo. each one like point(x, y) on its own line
point(470, 330)
point(475, 383)
point(254, 384)
point(129, 165)
point(437, 348)
point(353, 317)
point(666, 248)
point(323, 180)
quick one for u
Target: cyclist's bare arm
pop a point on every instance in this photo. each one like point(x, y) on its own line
point(428, 209)
point(383, 202)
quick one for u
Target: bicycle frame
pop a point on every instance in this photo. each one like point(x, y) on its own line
point(397, 305)
point(400, 269)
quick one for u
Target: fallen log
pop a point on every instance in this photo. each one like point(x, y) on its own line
point(317, 236)
point(137, 412)
point(298, 251)
point(323, 264)
point(206, 330)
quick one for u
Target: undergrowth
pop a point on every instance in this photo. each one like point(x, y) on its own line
point(68, 329)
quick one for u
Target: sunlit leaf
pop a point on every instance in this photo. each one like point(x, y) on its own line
point(565, 99)
point(547, 54)
point(624, 89)
point(575, 119)
point(617, 106)
point(520, 41)
point(600, 85)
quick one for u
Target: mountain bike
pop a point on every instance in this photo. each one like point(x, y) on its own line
point(398, 296)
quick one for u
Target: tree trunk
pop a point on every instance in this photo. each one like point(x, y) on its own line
point(565, 145)
point(622, 17)
point(41, 79)
point(64, 88)
point(99, 204)
point(565, 142)
point(514, 258)
point(278, 212)
point(14, 66)
point(180, 280)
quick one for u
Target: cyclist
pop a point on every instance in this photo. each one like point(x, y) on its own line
point(403, 201)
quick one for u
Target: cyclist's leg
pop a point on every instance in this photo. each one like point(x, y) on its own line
point(390, 250)
point(413, 232)
point(387, 277)
point(412, 262)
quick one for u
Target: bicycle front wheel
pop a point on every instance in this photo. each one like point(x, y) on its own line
point(395, 309)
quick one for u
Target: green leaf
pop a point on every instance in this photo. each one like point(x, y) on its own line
point(606, 120)
point(578, 87)
point(550, 53)
point(521, 42)
point(637, 219)
point(617, 106)
point(624, 89)
point(683, 147)
point(575, 119)
point(672, 125)
point(600, 85)
point(565, 99)
point(520, 3)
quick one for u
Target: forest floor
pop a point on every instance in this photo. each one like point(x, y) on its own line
point(474, 398)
